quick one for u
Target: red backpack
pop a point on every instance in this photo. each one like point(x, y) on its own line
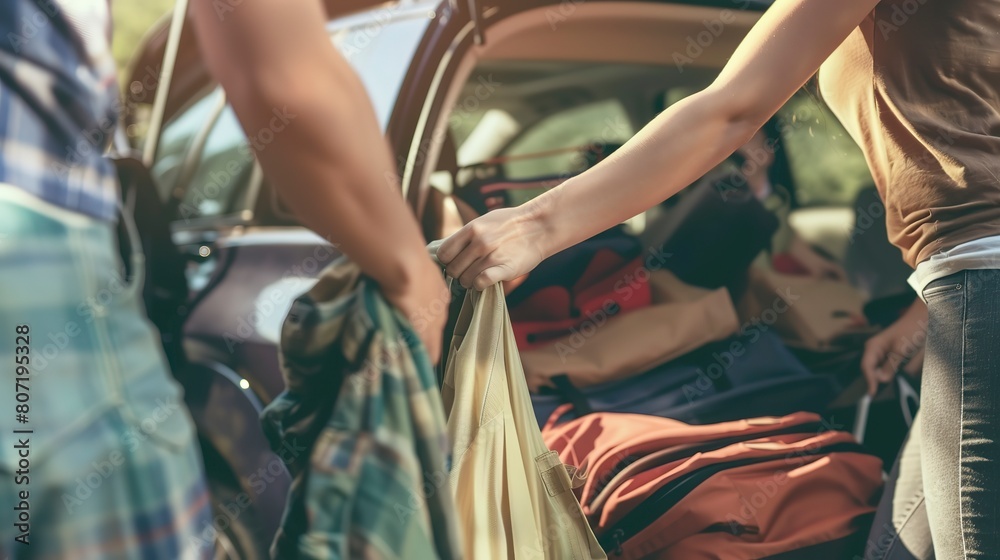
point(780, 488)
point(609, 285)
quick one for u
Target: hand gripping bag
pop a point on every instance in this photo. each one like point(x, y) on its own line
point(514, 496)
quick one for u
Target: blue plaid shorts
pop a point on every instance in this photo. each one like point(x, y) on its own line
point(113, 469)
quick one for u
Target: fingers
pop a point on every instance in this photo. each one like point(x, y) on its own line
point(454, 245)
point(484, 273)
point(872, 385)
point(467, 278)
point(878, 367)
point(879, 376)
point(491, 276)
point(463, 262)
point(871, 377)
point(871, 364)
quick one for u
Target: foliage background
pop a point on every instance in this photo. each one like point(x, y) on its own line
point(132, 19)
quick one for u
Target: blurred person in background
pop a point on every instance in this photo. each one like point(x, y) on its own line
point(921, 97)
point(757, 161)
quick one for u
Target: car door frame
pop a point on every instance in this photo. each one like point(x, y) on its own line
point(462, 24)
point(209, 382)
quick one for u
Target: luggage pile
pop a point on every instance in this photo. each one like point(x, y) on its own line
point(682, 322)
point(759, 488)
point(688, 383)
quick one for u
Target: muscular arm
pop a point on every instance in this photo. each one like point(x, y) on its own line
point(781, 52)
point(331, 165)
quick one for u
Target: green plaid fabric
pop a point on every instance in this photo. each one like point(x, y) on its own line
point(115, 470)
point(362, 396)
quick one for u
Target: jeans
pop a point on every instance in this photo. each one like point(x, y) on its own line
point(952, 457)
point(901, 529)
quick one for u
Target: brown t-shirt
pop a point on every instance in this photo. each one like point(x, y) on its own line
point(918, 87)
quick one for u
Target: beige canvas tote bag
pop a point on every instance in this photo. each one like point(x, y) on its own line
point(514, 497)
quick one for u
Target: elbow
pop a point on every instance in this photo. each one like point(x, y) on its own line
point(739, 116)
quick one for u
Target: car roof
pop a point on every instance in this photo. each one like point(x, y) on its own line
point(191, 76)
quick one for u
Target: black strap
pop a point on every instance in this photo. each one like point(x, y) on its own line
point(165, 291)
point(571, 394)
point(707, 354)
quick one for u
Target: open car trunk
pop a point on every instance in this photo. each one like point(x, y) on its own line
point(683, 311)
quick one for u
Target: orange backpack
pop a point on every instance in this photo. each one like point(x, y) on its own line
point(761, 488)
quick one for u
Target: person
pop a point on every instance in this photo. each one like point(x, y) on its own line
point(98, 456)
point(107, 463)
point(916, 86)
point(900, 530)
point(331, 166)
point(758, 168)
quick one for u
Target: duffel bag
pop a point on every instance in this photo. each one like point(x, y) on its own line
point(761, 488)
point(732, 379)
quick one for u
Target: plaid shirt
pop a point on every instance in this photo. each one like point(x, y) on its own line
point(363, 405)
point(58, 103)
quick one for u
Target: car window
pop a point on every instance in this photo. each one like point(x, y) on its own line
point(222, 173)
point(381, 54)
point(827, 166)
point(599, 122)
point(176, 139)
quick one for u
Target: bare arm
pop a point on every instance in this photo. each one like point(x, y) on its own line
point(330, 164)
point(781, 53)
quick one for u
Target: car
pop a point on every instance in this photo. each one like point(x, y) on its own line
point(520, 85)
